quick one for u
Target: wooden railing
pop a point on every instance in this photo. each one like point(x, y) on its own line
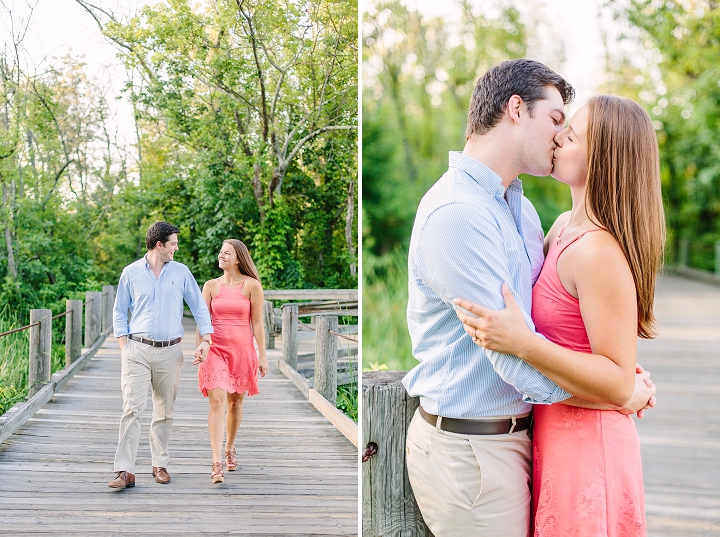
point(42, 384)
point(324, 315)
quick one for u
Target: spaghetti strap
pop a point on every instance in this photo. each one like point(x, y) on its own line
point(563, 246)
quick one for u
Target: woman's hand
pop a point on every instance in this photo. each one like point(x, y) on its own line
point(263, 365)
point(201, 352)
point(503, 331)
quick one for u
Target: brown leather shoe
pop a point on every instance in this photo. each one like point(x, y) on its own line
point(161, 475)
point(124, 480)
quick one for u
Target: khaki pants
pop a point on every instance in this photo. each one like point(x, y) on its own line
point(470, 485)
point(144, 366)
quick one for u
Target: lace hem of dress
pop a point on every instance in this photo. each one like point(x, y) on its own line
point(226, 382)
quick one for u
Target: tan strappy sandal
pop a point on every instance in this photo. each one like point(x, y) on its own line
point(231, 460)
point(217, 474)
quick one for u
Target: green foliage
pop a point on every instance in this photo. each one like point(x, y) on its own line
point(384, 326)
point(248, 112)
point(684, 101)
point(347, 400)
point(13, 362)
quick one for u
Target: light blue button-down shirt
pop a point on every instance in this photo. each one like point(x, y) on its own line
point(467, 241)
point(156, 304)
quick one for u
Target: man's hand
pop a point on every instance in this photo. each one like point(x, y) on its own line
point(643, 396)
point(201, 352)
point(121, 341)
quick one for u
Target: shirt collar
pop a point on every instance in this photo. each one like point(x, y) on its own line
point(481, 174)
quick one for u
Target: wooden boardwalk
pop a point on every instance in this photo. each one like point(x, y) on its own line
point(680, 438)
point(297, 474)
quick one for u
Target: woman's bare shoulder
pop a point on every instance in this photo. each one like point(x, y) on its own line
point(252, 285)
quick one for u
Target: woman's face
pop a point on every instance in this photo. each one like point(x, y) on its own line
point(570, 158)
point(227, 258)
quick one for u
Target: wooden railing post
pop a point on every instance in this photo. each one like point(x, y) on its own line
point(93, 313)
point(290, 334)
point(389, 507)
point(269, 324)
point(108, 301)
point(326, 351)
point(73, 331)
point(40, 350)
point(717, 258)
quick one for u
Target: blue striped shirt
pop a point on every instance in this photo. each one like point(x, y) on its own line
point(467, 241)
point(156, 304)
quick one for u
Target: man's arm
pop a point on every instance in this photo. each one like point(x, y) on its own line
point(121, 329)
point(460, 253)
point(195, 301)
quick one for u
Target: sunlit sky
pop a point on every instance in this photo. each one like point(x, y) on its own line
point(61, 27)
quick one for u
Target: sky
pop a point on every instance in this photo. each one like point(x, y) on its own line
point(60, 27)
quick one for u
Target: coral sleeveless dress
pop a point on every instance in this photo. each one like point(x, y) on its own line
point(232, 362)
point(587, 474)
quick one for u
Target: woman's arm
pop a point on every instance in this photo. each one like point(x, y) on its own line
point(255, 294)
point(599, 273)
point(201, 353)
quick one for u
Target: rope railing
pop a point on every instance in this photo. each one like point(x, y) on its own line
point(61, 315)
point(19, 329)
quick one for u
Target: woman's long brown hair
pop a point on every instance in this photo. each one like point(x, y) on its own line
point(245, 262)
point(623, 192)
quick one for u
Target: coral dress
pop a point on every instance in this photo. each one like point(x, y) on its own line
point(587, 474)
point(232, 362)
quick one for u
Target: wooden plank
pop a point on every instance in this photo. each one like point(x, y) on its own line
point(680, 438)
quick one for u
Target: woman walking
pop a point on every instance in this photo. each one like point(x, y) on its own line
point(230, 365)
point(593, 298)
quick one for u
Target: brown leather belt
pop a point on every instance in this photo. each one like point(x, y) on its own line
point(478, 426)
point(152, 343)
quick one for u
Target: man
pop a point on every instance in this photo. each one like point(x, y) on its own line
point(153, 288)
point(468, 449)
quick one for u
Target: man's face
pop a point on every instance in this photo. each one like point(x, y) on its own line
point(167, 251)
point(538, 136)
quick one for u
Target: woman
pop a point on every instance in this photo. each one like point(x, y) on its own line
point(235, 301)
point(593, 297)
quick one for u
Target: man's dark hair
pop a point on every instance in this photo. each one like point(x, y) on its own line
point(159, 231)
point(526, 78)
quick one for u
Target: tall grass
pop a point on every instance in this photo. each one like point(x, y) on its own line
point(347, 400)
point(14, 357)
point(13, 362)
point(385, 293)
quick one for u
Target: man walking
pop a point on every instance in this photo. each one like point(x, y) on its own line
point(468, 449)
point(153, 288)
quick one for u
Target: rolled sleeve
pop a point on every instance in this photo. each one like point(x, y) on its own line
point(475, 269)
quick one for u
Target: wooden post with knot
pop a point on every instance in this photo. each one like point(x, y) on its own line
point(389, 507)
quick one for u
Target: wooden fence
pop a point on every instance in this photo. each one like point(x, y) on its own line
point(324, 308)
point(42, 384)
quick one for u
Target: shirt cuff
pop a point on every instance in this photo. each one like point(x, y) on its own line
point(204, 330)
point(556, 396)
